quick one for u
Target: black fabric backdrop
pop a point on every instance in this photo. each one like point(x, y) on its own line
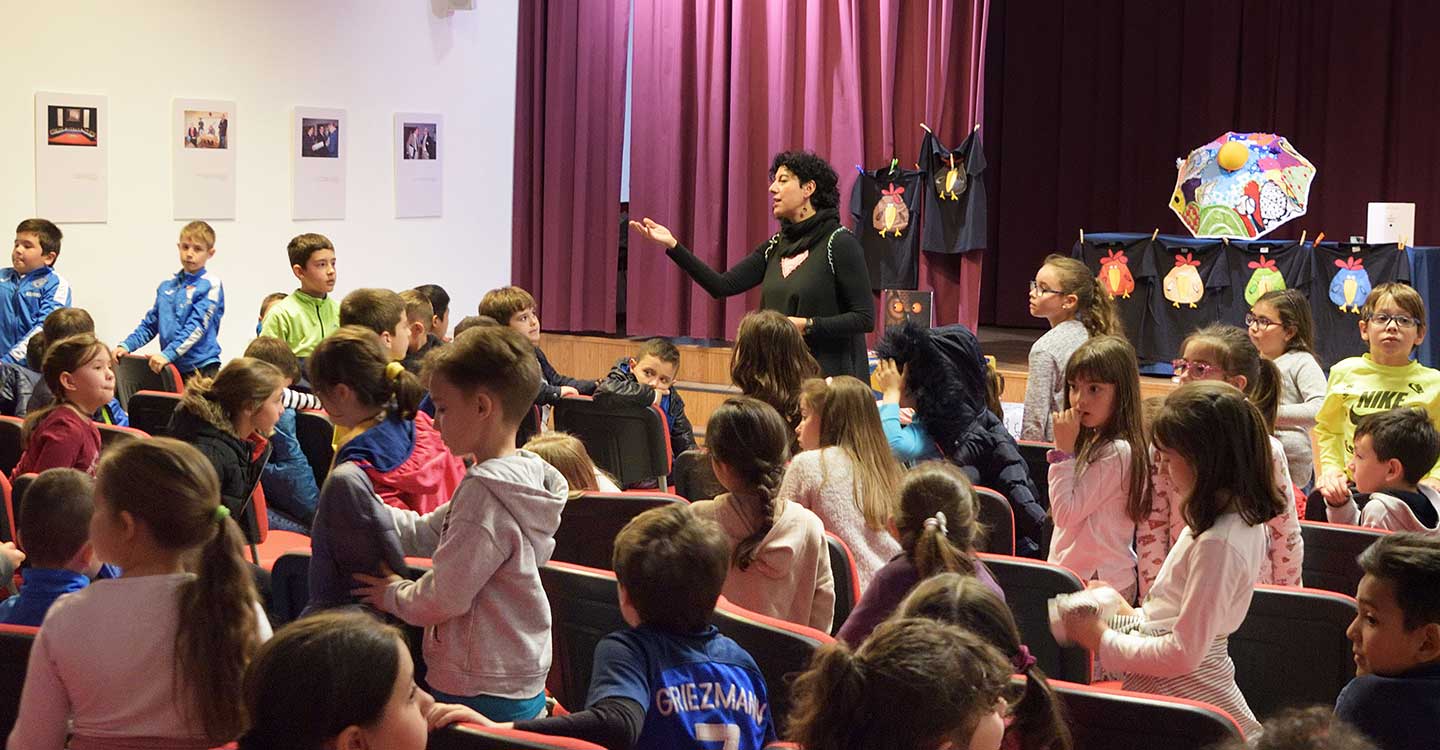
point(1089, 103)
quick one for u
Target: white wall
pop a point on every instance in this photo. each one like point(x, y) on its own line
point(370, 57)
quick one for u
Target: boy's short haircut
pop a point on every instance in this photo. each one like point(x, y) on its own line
point(66, 322)
point(660, 349)
point(200, 232)
point(302, 246)
point(380, 310)
point(45, 231)
point(1405, 433)
point(1403, 295)
point(502, 304)
point(276, 352)
point(439, 298)
point(471, 321)
point(417, 306)
point(1410, 563)
point(672, 564)
point(495, 358)
point(54, 516)
point(35, 351)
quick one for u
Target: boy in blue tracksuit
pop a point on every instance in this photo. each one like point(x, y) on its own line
point(187, 310)
point(30, 289)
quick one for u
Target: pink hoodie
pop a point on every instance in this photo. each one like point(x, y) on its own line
point(790, 576)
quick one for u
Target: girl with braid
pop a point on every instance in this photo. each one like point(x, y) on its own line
point(779, 563)
point(938, 526)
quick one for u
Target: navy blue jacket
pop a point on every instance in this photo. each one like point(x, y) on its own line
point(1397, 713)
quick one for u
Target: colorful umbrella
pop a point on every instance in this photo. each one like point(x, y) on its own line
point(1241, 185)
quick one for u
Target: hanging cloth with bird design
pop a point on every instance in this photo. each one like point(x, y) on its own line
point(887, 205)
point(955, 219)
point(1343, 275)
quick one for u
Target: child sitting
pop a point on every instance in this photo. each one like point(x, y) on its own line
point(648, 378)
point(291, 495)
point(780, 564)
point(54, 526)
point(438, 330)
point(156, 657)
point(30, 289)
point(292, 699)
point(1037, 720)
point(942, 374)
point(395, 458)
point(186, 312)
point(938, 524)
point(770, 361)
point(1395, 696)
point(670, 566)
point(418, 315)
point(1282, 329)
point(847, 474)
point(265, 305)
point(228, 419)
point(309, 314)
point(1392, 450)
point(1392, 322)
point(62, 434)
point(383, 312)
point(514, 307)
point(916, 684)
point(566, 453)
point(486, 618)
point(63, 323)
point(1070, 299)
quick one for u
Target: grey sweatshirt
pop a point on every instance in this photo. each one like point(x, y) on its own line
point(1302, 391)
point(486, 618)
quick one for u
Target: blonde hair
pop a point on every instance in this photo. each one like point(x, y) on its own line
point(198, 230)
point(930, 489)
point(568, 455)
point(1093, 307)
point(850, 422)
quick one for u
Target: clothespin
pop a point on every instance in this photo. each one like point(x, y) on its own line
point(1318, 237)
point(1402, 242)
point(977, 127)
point(926, 128)
point(859, 169)
point(1225, 241)
point(1302, 237)
point(894, 162)
point(917, 166)
point(1155, 234)
point(1082, 235)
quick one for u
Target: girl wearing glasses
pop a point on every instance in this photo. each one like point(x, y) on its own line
point(1392, 323)
point(1071, 300)
point(1225, 353)
point(1280, 326)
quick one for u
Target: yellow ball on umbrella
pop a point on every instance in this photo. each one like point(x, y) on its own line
point(1232, 156)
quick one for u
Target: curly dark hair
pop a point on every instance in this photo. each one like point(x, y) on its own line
point(811, 168)
point(945, 375)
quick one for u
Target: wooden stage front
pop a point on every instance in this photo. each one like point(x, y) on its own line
point(704, 378)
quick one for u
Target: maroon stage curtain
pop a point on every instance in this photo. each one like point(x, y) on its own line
point(1091, 101)
point(569, 133)
point(719, 87)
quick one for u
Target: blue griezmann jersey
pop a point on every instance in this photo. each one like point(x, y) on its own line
point(699, 690)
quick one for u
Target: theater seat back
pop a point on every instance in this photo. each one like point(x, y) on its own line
point(475, 737)
point(150, 411)
point(632, 443)
point(1330, 552)
point(584, 608)
point(15, 643)
point(1292, 649)
point(589, 523)
point(998, 518)
point(133, 374)
point(847, 579)
point(1108, 719)
point(1028, 586)
point(781, 649)
point(11, 445)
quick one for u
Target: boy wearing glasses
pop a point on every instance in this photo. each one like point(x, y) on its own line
point(1392, 323)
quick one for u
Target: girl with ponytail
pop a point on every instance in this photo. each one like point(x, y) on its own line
point(938, 526)
point(1226, 353)
point(1037, 718)
point(154, 658)
point(1066, 295)
point(392, 455)
point(917, 684)
point(779, 561)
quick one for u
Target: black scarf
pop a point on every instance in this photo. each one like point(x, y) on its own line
point(799, 236)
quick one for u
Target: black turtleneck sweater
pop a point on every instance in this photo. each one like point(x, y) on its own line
point(829, 284)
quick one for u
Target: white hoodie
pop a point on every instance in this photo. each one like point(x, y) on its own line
point(1384, 511)
point(486, 618)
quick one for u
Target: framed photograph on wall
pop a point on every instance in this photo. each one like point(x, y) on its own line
point(203, 145)
point(419, 143)
point(318, 164)
point(72, 143)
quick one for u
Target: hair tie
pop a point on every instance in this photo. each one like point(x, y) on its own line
point(937, 521)
point(221, 513)
point(1023, 660)
point(393, 370)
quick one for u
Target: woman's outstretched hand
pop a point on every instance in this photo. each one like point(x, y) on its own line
point(655, 232)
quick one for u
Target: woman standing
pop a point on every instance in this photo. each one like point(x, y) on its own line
point(812, 270)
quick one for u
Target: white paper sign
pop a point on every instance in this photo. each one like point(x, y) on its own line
point(1390, 222)
point(318, 154)
point(203, 158)
point(419, 150)
point(72, 140)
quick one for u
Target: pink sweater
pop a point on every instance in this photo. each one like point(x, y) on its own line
point(1093, 531)
point(824, 481)
point(790, 576)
